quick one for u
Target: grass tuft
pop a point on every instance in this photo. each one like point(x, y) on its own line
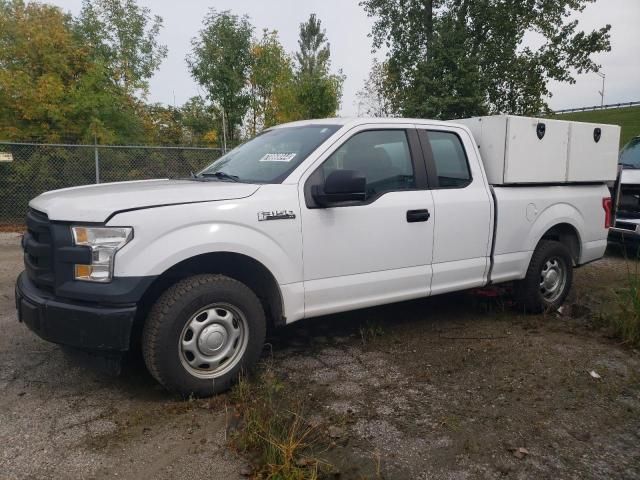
point(624, 318)
point(272, 431)
point(370, 330)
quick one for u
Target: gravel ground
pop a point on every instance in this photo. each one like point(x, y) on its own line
point(453, 387)
point(60, 418)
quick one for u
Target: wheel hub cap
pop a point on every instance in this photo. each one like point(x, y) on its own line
point(212, 339)
point(553, 279)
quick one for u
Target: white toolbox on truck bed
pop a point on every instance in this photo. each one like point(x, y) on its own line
point(524, 150)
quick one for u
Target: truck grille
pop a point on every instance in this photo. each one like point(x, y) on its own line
point(38, 250)
point(629, 201)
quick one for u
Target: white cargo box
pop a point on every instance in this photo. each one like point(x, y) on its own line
point(538, 150)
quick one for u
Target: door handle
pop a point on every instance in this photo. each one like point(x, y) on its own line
point(418, 215)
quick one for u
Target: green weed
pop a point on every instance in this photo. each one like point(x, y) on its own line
point(272, 431)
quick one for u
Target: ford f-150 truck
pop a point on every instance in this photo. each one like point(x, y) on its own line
point(306, 219)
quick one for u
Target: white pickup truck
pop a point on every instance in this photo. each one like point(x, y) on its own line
point(307, 219)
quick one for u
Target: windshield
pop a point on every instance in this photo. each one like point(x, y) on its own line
point(271, 156)
point(630, 155)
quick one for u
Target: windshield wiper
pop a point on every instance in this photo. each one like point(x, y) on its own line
point(222, 176)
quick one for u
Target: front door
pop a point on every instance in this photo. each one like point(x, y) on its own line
point(377, 250)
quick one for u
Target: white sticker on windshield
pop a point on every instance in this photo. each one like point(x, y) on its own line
point(278, 157)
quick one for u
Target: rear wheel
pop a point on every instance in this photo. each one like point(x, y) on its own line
point(201, 333)
point(548, 279)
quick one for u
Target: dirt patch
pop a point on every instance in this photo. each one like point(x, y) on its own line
point(12, 228)
point(459, 387)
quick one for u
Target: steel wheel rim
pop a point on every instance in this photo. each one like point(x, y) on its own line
point(553, 278)
point(213, 340)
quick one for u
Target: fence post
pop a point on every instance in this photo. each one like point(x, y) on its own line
point(97, 158)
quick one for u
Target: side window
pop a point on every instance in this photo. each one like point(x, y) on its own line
point(452, 167)
point(382, 156)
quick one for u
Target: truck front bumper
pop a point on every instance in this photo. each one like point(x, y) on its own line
point(90, 326)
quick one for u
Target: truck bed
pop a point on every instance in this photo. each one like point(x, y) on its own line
point(524, 214)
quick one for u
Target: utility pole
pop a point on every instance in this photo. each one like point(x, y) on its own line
point(601, 92)
point(96, 157)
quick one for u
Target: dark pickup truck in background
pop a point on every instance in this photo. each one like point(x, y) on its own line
point(626, 195)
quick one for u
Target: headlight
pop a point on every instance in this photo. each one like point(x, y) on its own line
point(104, 243)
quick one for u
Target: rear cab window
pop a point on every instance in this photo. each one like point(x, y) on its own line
point(449, 159)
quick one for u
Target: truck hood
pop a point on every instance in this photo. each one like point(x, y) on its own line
point(96, 203)
point(630, 176)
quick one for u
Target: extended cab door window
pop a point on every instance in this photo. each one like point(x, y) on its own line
point(449, 159)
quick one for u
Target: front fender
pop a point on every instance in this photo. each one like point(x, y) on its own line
point(159, 244)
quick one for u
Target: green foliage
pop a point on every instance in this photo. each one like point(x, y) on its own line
point(273, 432)
point(318, 97)
point(624, 316)
point(317, 91)
point(55, 87)
point(454, 58)
point(372, 99)
point(124, 38)
point(313, 57)
point(201, 122)
point(271, 73)
point(220, 61)
point(628, 118)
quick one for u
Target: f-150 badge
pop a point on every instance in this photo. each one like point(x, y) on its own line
point(276, 215)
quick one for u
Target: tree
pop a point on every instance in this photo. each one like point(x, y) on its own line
point(220, 62)
point(452, 58)
point(51, 89)
point(124, 37)
point(372, 100)
point(164, 125)
point(313, 57)
point(271, 74)
point(201, 122)
point(318, 92)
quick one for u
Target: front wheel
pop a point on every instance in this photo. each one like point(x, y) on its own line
point(201, 333)
point(548, 279)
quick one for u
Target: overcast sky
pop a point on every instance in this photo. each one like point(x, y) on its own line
point(347, 29)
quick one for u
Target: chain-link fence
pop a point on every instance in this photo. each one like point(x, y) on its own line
point(28, 169)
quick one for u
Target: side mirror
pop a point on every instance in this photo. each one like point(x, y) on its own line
point(340, 186)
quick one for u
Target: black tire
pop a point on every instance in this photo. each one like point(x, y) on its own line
point(534, 297)
point(185, 304)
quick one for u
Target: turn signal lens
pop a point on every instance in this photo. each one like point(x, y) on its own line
point(83, 272)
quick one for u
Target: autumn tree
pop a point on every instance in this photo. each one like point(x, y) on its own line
point(201, 121)
point(124, 38)
point(220, 62)
point(51, 89)
point(270, 78)
point(453, 58)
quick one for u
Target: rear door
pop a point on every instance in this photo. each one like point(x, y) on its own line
point(463, 209)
